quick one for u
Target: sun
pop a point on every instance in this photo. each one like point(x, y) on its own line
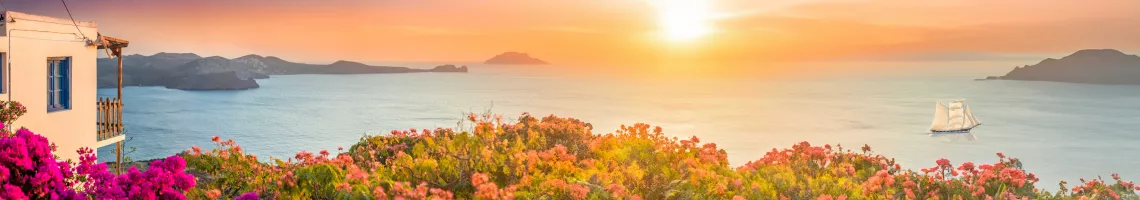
point(684, 20)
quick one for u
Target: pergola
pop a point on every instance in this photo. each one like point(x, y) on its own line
point(111, 110)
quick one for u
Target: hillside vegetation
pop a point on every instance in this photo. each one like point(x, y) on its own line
point(547, 158)
point(560, 158)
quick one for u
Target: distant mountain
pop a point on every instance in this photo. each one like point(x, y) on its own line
point(514, 58)
point(188, 70)
point(244, 68)
point(1095, 66)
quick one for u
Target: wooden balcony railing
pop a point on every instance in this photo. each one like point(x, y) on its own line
point(110, 120)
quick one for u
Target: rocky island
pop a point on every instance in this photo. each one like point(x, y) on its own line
point(228, 80)
point(188, 71)
point(514, 58)
point(448, 68)
point(1094, 66)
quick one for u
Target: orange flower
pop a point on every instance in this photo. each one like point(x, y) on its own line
point(214, 194)
point(196, 150)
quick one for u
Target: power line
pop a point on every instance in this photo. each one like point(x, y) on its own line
point(72, 19)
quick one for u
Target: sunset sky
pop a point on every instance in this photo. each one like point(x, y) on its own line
point(610, 31)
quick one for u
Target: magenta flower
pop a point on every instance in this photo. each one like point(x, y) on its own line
point(28, 170)
point(248, 196)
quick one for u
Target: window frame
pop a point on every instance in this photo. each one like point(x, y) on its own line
point(4, 73)
point(59, 76)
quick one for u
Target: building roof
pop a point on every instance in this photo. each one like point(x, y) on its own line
point(111, 42)
point(11, 16)
point(104, 42)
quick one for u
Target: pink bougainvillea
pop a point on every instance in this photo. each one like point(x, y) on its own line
point(28, 170)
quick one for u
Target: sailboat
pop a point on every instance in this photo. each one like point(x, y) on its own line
point(953, 118)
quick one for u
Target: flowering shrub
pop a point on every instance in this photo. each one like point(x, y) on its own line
point(29, 170)
point(10, 110)
point(560, 158)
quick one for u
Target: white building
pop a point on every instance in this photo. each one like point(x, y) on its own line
point(49, 67)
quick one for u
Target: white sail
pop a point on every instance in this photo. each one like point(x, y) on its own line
point(940, 117)
point(957, 119)
point(970, 117)
point(954, 117)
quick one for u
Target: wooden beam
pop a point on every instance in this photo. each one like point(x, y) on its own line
point(119, 55)
point(112, 43)
point(119, 145)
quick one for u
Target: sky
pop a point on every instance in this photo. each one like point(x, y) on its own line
point(611, 31)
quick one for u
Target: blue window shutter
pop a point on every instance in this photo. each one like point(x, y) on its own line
point(3, 71)
point(69, 77)
point(50, 86)
point(65, 83)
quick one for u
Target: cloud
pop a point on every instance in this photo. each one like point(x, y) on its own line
point(424, 30)
point(966, 12)
point(569, 29)
point(915, 30)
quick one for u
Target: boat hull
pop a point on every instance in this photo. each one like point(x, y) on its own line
point(954, 131)
point(951, 132)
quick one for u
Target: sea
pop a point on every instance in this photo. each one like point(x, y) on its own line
point(1060, 131)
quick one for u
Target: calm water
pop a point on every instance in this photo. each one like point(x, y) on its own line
point(1059, 130)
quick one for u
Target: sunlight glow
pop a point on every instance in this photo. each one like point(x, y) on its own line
point(683, 20)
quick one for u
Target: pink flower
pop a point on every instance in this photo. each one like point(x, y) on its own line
point(216, 139)
point(378, 193)
point(967, 166)
point(943, 162)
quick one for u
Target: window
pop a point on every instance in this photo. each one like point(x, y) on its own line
point(59, 83)
point(3, 73)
